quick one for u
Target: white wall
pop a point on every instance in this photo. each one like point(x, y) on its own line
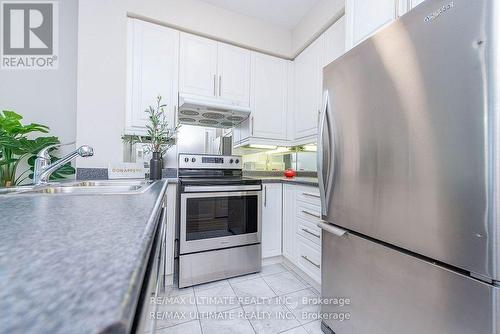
point(102, 59)
point(211, 21)
point(318, 19)
point(48, 97)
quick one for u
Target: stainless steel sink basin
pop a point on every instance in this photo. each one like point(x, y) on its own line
point(14, 190)
point(107, 183)
point(83, 187)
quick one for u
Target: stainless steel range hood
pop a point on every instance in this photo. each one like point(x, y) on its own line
point(210, 113)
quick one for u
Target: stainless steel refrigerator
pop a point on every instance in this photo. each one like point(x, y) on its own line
point(409, 169)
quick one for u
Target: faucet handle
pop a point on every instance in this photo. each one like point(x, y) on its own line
point(85, 151)
point(44, 152)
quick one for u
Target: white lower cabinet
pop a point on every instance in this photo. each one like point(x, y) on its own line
point(289, 225)
point(301, 235)
point(309, 258)
point(271, 219)
point(170, 235)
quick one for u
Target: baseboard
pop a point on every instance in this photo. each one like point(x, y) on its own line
point(169, 280)
point(272, 260)
point(302, 274)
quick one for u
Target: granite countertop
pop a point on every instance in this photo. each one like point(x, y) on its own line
point(308, 181)
point(74, 263)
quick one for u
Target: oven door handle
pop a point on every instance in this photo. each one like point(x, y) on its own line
point(201, 189)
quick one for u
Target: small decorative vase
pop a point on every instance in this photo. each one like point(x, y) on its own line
point(155, 166)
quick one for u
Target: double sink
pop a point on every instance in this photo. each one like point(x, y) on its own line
point(82, 187)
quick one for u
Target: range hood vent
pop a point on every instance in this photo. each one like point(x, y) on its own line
point(210, 113)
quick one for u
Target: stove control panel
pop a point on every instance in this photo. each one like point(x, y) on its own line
point(202, 161)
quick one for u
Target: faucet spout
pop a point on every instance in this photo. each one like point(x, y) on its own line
point(44, 168)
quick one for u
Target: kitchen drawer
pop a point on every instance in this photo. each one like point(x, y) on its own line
point(308, 212)
point(309, 258)
point(308, 195)
point(309, 231)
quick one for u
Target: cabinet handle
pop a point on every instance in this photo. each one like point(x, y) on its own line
point(215, 84)
point(265, 195)
point(175, 116)
point(307, 259)
point(311, 195)
point(314, 234)
point(220, 85)
point(252, 124)
point(311, 214)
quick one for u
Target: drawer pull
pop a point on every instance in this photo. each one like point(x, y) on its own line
point(314, 264)
point(307, 231)
point(311, 195)
point(311, 214)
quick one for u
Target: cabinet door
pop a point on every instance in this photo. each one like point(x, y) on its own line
point(308, 69)
point(269, 96)
point(152, 71)
point(198, 66)
point(407, 5)
point(415, 3)
point(233, 74)
point(334, 41)
point(289, 224)
point(271, 220)
point(365, 17)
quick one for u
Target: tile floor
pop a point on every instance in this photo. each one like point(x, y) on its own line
point(272, 301)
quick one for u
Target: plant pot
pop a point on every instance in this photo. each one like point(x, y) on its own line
point(155, 166)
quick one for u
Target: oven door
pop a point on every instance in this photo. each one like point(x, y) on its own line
point(219, 219)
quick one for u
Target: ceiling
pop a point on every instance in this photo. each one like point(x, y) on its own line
point(284, 13)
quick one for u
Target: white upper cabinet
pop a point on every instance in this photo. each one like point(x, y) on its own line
point(269, 97)
point(198, 65)
point(406, 5)
point(233, 74)
point(307, 92)
point(269, 102)
point(152, 70)
point(365, 17)
point(334, 41)
point(214, 70)
point(415, 3)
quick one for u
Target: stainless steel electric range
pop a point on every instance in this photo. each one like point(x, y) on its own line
point(219, 225)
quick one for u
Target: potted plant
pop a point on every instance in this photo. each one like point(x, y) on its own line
point(16, 146)
point(160, 137)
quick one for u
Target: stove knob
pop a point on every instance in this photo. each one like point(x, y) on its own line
point(193, 160)
point(186, 159)
point(231, 161)
point(237, 161)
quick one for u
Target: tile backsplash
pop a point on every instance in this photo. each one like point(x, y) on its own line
point(300, 158)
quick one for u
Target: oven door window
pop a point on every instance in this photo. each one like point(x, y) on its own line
point(215, 217)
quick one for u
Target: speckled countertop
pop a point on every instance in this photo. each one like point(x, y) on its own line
point(74, 264)
point(307, 181)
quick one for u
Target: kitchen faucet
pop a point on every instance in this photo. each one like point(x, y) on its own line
point(44, 168)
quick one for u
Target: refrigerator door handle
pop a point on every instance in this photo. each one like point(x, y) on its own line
point(323, 175)
point(339, 232)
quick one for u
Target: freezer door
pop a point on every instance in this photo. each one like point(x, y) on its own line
point(404, 140)
point(392, 293)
